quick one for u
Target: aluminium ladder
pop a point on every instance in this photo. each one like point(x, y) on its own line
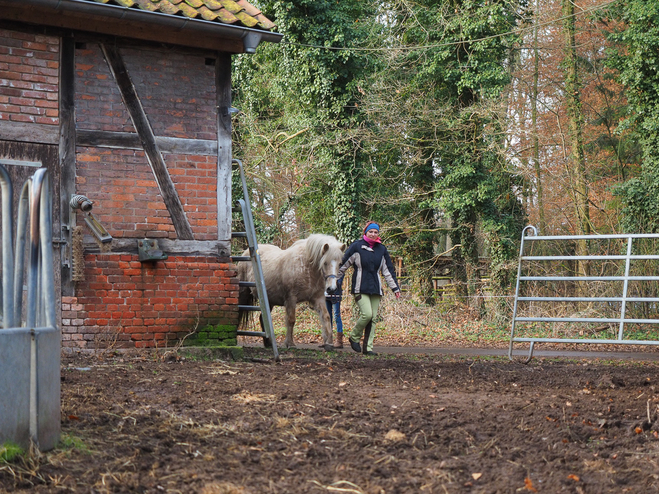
point(268, 333)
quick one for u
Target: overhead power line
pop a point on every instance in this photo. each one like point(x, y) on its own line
point(453, 43)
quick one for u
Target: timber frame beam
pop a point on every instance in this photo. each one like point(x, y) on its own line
point(148, 139)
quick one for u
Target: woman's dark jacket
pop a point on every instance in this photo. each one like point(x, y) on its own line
point(368, 264)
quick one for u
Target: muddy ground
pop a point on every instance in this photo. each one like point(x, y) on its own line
point(344, 423)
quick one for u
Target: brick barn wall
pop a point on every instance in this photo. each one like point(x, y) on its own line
point(124, 302)
point(29, 69)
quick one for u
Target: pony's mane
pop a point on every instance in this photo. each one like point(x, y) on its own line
point(314, 248)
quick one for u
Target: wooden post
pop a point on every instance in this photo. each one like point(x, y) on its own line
point(148, 139)
point(67, 159)
point(224, 156)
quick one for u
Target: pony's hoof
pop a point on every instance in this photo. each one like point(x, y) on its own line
point(328, 348)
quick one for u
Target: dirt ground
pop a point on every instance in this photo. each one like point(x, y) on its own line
point(343, 423)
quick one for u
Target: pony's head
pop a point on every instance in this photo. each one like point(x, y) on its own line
point(325, 254)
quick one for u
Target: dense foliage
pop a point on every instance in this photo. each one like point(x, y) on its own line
point(417, 115)
point(637, 59)
point(300, 114)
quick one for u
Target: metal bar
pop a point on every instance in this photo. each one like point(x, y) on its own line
point(252, 308)
point(36, 164)
point(594, 237)
point(589, 299)
point(31, 317)
point(587, 278)
point(577, 340)
point(21, 241)
point(625, 287)
point(7, 250)
point(253, 333)
point(46, 238)
point(587, 319)
point(33, 259)
point(533, 231)
point(585, 258)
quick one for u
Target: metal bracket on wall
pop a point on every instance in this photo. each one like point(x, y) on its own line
point(148, 250)
point(85, 205)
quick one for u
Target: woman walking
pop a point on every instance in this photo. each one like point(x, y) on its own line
point(370, 259)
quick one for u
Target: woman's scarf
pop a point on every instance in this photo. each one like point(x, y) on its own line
point(372, 243)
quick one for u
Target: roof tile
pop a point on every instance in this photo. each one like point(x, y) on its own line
point(249, 8)
point(195, 4)
point(246, 19)
point(239, 12)
point(265, 23)
point(231, 6)
point(226, 16)
point(187, 10)
point(207, 14)
point(213, 4)
point(147, 5)
point(167, 7)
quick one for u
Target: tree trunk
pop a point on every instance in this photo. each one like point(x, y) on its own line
point(576, 166)
point(534, 128)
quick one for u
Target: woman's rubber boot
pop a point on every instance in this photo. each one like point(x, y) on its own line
point(339, 340)
point(367, 336)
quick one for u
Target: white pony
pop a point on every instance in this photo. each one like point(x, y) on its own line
point(301, 273)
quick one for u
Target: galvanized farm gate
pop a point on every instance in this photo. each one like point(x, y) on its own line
point(30, 342)
point(613, 290)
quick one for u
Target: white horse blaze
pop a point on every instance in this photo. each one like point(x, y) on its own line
point(330, 276)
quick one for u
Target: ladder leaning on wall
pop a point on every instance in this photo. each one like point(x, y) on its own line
point(267, 332)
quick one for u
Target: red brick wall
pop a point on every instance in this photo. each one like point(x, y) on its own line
point(29, 66)
point(126, 196)
point(125, 303)
point(177, 91)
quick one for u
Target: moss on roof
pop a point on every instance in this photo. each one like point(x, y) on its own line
point(240, 13)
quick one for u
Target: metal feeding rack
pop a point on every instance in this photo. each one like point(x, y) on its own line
point(30, 341)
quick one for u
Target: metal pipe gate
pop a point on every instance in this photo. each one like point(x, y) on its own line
point(30, 341)
point(623, 267)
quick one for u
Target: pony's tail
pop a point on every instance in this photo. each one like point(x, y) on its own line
point(245, 297)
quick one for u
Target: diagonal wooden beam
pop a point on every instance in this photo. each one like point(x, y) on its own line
point(148, 139)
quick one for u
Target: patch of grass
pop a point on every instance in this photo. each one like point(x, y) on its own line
point(9, 452)
point(68, 442)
